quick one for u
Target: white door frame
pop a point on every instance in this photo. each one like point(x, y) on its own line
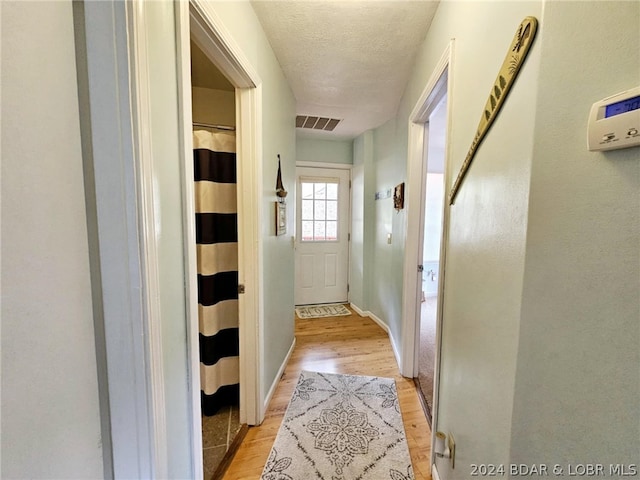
point(196, 20)
point(441, 79)
point(116, 152)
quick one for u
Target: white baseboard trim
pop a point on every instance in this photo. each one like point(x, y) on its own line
point(379, 321)
point(358, 310)
point(385, 327)
point(434, 472)
point(276, 380)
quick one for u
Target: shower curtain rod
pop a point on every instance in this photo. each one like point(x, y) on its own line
point(219, 127)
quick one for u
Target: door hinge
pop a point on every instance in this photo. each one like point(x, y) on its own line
point(421, 268)
point(348, 237)
point(240, 288)
point(347, 288)
point(349, 183)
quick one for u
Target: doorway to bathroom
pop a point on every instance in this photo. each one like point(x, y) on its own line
point(215, 166)
point(221, 124)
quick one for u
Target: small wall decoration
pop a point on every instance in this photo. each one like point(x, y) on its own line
point(506, 76)
point(383, 194)
point(398, 197)
point(281, 206)
point(280, 191)
point(281, 218)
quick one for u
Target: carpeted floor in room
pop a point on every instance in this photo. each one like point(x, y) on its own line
point(426, 359)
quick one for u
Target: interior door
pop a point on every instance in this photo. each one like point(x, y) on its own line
point(322, 235)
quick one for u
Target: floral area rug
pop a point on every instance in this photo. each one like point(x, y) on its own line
point(341, 427)
point(319, 311)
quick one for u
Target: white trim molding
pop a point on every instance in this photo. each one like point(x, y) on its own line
point(210, 34)
point(441, 81)
point(278, 376)
point(385, 327)
point(116, 153)
point(444, 242)
point(189, 234)
point(142, 134)
point(250, 252)
point(414, 203)
point(434, 472)
point(335, 166)
point(212, 37)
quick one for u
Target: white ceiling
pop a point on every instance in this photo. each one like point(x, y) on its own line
point(346, 59)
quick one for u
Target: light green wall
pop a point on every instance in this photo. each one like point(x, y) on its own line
point(577, 387)
point(326, 151)
point(487, 232)
point(485, 258)
point(362, 221)
point(542, 283)
point(390, 168)
point(278, 123)
point(50, 399)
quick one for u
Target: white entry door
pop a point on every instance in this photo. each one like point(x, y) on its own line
point(322, 235)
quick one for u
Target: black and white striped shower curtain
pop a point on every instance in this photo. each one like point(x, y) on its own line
point(217, 247)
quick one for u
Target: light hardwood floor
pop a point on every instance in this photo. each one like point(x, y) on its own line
point(352, 345)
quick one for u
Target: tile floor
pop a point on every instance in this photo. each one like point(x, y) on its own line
point(218, 432)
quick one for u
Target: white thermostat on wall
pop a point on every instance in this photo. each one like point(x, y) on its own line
point(615, 122)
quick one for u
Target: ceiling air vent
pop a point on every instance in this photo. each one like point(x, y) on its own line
point(316, 123)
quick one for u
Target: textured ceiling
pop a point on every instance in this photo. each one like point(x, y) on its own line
point(346, 59)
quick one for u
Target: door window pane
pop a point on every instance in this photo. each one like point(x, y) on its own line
point(332, 231)
point(320, 190)
point(332, 210)
point(318, 231)
point(319, 211)
point(332, 191)
point(307, 231)
point(307, 190)
point(307, 209)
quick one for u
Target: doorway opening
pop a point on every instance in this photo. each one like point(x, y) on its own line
point(232, 368)
point(433, 201)
point(214, 142)
point(428, 177)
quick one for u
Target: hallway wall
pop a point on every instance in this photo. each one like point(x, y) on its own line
point(323, 151)
point(487, 231)
point(487, 226)
point(390, 169)
point(362, 221)
point(579, 343)
point(542, 287)
point(50, 401)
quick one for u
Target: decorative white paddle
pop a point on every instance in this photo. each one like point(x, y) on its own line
point(506, 76)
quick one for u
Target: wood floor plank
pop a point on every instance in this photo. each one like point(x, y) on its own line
point(352, 345)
